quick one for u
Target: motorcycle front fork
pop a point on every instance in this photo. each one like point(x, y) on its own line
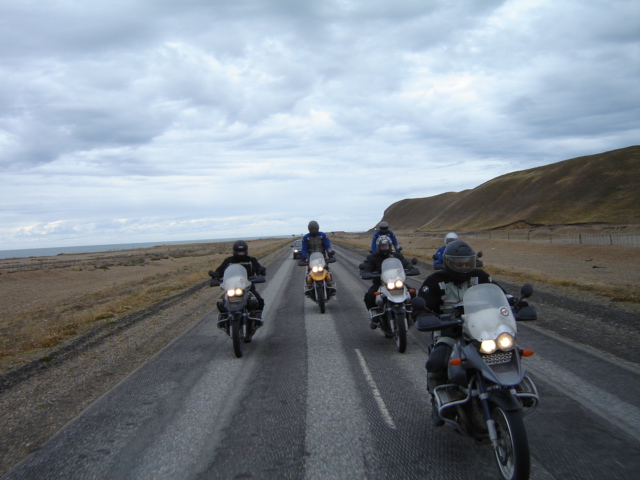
point(484, 400)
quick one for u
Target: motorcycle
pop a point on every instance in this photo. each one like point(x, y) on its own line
point(393, 300)
point(319, 285)
point(239, 321)
point(488, 392)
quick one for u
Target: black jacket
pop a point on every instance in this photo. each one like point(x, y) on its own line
point(373, 263)
point(251, 265)
point(432, 292)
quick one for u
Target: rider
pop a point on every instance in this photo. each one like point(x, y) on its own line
point(253, 268)
point(373, 263)
point(448, 238)
point(441, 291)
point(316, 241)
point(383, 229)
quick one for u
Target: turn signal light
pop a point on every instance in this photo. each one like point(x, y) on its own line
point(455, 362)
point(377, 293)
point(411, 290)
point(527, 353)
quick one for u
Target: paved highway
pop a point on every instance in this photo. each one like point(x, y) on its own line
point(321, 396)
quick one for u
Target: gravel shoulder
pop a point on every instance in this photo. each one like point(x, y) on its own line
point(37, 405)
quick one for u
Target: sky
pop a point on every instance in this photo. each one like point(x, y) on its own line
point(162, 120)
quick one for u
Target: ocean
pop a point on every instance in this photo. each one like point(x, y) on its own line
point(50, 252)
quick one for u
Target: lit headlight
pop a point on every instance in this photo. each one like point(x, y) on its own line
point(506, 341)
point(394, 285)
point(317, 268)
point(488, 346)
point(238, 292)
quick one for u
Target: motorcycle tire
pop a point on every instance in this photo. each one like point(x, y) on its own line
point(400, 331)
point(512, 455)
point(236, 335)
point(321, 302)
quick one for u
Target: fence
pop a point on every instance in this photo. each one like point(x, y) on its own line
point(618, 239)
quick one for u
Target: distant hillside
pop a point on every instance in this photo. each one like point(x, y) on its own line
point(596, 189)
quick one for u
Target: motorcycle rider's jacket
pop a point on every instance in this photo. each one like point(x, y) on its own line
point(441, 291)
point(250, 264)
point(389, 234)
point(373, 263)
point(315, 243)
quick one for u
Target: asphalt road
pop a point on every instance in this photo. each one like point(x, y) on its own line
point(319, 396)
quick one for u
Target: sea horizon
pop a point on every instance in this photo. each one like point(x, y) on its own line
point(53, 251)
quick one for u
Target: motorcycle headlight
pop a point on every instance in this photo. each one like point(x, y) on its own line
point(235, 292)
point(394, 285)
point(488, 346)
point(506, 341)
point(317, 268)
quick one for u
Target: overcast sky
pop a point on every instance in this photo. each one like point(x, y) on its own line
point(143, 120)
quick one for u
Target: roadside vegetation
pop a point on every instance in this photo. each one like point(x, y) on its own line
point(612, 272)
point(57, 305)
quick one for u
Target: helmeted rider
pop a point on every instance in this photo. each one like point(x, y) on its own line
point(315, 241)
point(442, 290)
point(383, 229)
point(448, 238)
point(253, 268)
point(373, 263)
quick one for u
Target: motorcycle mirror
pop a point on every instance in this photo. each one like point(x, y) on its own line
point(434, 256)
point(479, 254)
point(263, 270)
point(414, 260)
point(212, 273)
point(526, 291)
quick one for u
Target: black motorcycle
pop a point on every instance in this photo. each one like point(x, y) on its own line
point(487, 393)
point(240, 304)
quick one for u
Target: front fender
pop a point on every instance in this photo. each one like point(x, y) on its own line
point(504, 399)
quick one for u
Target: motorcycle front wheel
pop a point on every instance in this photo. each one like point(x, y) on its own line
point(320, 297)
point(401, 331)
point(512, 454)
point(236, 334)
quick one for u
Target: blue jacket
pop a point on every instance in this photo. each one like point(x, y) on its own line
point(389, 234)
point(439, 253)
point(326, 244)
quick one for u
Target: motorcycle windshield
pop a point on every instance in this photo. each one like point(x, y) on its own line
point(316, 259)
point(487, 313)
point(235, 276)
point(392, 270)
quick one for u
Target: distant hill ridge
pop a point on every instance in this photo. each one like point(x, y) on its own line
point(595, 189)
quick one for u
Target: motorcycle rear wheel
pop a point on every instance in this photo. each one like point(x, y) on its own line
point(236, 335)
point(512, 455)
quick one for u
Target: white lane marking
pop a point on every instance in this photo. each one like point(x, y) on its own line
point(602, 403)
point(376, 393)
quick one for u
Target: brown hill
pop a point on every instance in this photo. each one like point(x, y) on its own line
point(602, 189)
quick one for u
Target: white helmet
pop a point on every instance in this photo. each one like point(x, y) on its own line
point(450, 237)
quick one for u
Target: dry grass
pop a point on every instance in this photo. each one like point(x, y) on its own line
point(42, 309)
point(608, 271)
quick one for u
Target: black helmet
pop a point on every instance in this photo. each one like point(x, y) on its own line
point(240, 248)
point(383, 245)
point(314, 228)
point(384, 227)
point(459, 260)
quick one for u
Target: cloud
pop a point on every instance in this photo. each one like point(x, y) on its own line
point(253, 117)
